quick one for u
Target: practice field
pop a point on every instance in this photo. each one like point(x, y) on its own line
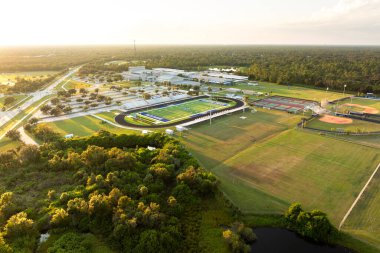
point(364, 220)
point(361, 105)
point(292, 105)
point(84, 126)
point(317, 171)
point(230, 134)
point(352, 125)
point(293, 91)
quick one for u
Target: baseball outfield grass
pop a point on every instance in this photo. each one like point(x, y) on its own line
point(355, 126)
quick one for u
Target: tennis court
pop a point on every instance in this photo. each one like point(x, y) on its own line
point(188, 109)
point(293, 105)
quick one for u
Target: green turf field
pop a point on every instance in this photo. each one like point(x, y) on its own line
point(355, 126)
point(84, 126)
point(184, 110)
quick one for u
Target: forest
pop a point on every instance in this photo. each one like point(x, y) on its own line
point(319, 66)
point(111, 187)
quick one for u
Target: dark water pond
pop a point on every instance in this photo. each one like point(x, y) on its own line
point(276, 240)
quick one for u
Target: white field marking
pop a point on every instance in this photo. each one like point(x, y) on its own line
point(177, 119)
point(358, 197)
point(18, 122)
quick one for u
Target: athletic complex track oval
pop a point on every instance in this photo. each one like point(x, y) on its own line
point(120, 118)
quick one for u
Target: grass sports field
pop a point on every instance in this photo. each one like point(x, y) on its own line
point(364, 220)
point(273, 165)
point(175, 112)
point(355, 126)
point(292, 91)
point(360, 105)
point(84, 126)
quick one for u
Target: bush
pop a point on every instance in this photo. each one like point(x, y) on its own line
point(313, 225)
point(69, 243)
point(19, 225)
point(29, 154)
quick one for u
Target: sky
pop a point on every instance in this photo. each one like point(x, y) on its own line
point(85, 22)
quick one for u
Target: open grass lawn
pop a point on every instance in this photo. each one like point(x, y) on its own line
point(84, 126)
point(364, 220)
point(76, 85)
point(319, 172)
point(371, 140)
point(293, 91)
point(7, 144)
point(184, 110)
point(264, 165)
point(109, 115)
point(214, 213)
point(6, 77)
point(355, 126)
point(230, 134)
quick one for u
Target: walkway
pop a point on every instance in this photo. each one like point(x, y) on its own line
point(26, 138)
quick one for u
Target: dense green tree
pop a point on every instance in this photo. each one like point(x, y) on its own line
point(13, 134)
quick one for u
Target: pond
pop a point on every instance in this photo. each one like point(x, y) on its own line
point(276, 240)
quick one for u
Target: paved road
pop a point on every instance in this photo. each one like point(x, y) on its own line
point(34, 97)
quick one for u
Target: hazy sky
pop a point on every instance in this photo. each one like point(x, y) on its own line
point(189, 22)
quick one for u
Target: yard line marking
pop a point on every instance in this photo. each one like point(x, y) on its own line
point(359, 196)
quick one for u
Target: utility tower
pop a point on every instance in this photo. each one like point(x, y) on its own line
point(134, 46)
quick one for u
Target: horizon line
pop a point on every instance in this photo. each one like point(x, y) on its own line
point(190, 44)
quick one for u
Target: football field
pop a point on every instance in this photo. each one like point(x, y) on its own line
point(184, 110)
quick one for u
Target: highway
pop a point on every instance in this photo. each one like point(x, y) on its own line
point(34, 97)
